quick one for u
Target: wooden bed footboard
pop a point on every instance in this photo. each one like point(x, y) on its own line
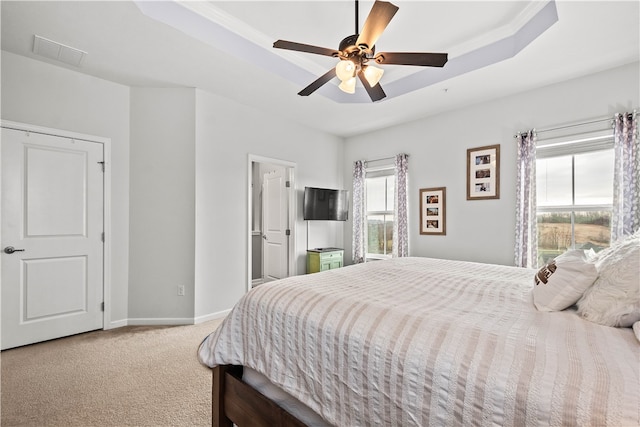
point(236, 402)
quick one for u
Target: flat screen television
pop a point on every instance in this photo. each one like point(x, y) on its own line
point(325, 204)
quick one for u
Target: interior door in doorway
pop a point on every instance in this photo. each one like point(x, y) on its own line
point(275, 225)
point(52, 244)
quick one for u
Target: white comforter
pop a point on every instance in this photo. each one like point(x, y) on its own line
point(418, 341)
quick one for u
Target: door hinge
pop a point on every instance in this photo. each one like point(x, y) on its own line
point(287, 184)
point(102, 237)
point(102, 306)
point(101, 164)
point(287, 232)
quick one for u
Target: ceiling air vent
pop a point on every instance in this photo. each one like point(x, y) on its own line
point(58, 51)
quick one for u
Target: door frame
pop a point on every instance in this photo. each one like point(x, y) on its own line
point(291, 171)
point(106, 254)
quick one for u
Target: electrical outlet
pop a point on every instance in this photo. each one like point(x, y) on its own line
point(181, 290)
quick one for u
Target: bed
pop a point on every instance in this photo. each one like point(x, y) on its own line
point(417, 342)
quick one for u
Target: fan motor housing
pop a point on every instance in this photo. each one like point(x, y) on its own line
point(348, 44)
point(349, 50)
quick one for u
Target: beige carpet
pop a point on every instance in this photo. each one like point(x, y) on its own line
point(131, 376)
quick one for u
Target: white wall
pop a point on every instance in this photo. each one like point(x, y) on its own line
point(188, 174)
point(41, 94)
point(190, 163)
point(483, 230)
point(226, 134)
point(162, 213)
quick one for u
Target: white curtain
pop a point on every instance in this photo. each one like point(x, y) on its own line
point(400, 225)
point(625, 219)
point(358, 248)
point(526, 248)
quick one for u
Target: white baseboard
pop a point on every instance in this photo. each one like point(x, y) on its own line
point(117, 324)
point(161, 321)
point(150, 321)
point(212, 316)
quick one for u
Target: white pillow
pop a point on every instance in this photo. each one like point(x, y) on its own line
point(614, 298)
point(561, 282)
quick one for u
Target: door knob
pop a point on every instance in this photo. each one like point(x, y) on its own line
point(11, 249)
point(264, 236)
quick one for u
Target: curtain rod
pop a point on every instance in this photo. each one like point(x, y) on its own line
point(568, 126)
point(379, 160)
point(574, 125)
point(384, 158)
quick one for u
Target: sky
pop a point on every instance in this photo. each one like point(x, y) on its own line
point(593, 179)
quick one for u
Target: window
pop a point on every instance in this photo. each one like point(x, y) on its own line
point(574, 189)
point(379, 206)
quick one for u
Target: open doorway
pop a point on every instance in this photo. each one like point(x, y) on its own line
point(271, 225)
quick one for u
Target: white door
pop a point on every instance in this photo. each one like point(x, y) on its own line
point(52, 249)
point(275, 225)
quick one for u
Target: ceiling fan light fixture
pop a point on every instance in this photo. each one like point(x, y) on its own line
point(357, 50)
point(348, 85)
point(373, 74)
point(345, 70)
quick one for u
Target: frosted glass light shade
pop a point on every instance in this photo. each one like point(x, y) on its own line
point(349, 85)
point(373, 74)
point(345, 70)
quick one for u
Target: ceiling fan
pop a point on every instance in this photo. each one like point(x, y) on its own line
point(357, 51)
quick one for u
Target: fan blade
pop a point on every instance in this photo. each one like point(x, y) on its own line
point(283, 44)
point(375, 93)
point(378, 19)
point(319, 82)
point(412, 58)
